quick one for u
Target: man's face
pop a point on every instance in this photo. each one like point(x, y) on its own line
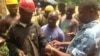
point(46, 13)
point(70, 11)
point(52, 20)
point(12, 8)
point(61, 9)
point(84, 15)
point(25, 15)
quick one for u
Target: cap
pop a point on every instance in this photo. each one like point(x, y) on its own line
point(49, 8)
point(27, 5)
point(11, 1)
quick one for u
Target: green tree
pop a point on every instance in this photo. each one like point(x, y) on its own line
point(69, 1)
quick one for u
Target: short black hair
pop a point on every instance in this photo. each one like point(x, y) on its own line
point(70, 9)
point(53, 13)
point(61, 5)
point(89, 4)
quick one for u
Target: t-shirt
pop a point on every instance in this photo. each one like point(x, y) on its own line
point(53, 34)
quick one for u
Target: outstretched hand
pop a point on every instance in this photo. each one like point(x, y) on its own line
point(48, 48)
point(55, 43)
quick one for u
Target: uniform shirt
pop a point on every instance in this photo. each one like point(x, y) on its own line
point(85, 43)
point(26, 37)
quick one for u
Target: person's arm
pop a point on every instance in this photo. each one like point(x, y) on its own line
point(4, 26)
point(41, 38)
point(58, 43)
point(2, 41)
point(74, 28)
point(55, 52)
point(10, 43)
point(65, 43)
point(42, 41)
point(58, 53)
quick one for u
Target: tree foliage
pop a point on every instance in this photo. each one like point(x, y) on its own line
point(69, 1)
point(72, 1)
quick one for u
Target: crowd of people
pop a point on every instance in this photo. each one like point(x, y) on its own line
point(30, 30)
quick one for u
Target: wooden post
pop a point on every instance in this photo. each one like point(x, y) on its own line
point(2, 7)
